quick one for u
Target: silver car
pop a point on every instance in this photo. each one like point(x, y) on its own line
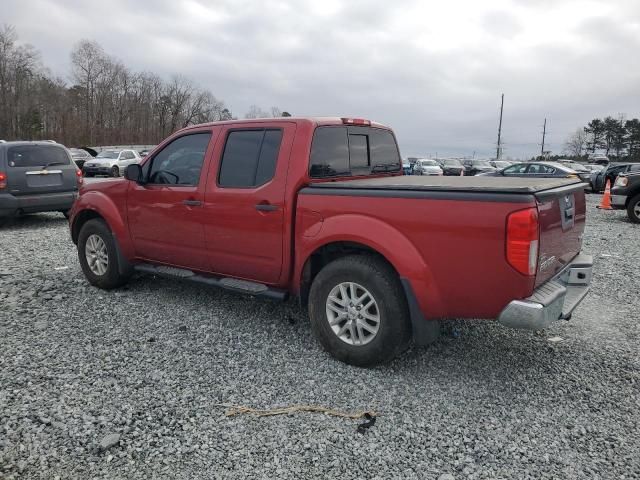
point(110, 162)
point(426, 166)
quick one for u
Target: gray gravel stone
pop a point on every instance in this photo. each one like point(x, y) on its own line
point(109, 441)
point(484, 403)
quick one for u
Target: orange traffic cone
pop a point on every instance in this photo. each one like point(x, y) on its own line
point(606, 198)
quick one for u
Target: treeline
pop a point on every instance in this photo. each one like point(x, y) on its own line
point(106, 102)
point(617, 138)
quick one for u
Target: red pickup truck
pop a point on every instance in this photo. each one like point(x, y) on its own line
point(318, 208)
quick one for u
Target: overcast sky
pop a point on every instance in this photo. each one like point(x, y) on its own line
point(434, 71)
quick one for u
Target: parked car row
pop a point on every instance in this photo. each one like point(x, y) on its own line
point(453, 166)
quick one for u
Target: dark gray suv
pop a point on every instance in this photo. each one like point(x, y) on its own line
point(36, 177)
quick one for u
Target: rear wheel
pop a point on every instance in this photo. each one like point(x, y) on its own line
point(359, 312)
point(115, 171)
point(98, 255)
point(633, 209)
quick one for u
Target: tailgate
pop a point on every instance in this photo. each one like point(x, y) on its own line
point(562, 213)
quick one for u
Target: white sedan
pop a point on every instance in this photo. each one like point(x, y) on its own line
point(426, 166)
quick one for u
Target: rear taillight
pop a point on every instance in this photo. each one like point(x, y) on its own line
point(79, 176)
point(3, 180)
point(356, 121)
point(522, 240)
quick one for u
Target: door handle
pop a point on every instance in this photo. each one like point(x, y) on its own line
point(266, 207)
point(192, 203)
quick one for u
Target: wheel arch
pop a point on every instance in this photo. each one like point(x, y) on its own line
point(344, 236)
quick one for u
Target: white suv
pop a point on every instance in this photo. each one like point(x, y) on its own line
point(110, 162)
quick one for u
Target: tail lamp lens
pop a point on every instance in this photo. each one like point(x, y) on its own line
point(79, 176)
point(523, 240)
point(3, 180)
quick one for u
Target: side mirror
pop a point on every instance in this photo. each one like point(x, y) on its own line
point(133, 172)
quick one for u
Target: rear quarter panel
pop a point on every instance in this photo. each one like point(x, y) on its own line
point(451, 251)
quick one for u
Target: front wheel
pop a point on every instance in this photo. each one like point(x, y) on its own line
point(115, 171)
point(98, 255)
point(359, 311)
point(633, 209)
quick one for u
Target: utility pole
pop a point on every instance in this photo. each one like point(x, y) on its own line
point(499, 147)
point(544, 133)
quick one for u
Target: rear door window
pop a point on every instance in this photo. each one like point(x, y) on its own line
point(37, 156)
point(249, 158)
point(515, 169)
point(351, 150)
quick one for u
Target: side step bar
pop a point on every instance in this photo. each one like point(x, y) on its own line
point(233, 284)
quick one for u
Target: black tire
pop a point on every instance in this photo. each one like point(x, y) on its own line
point(394, 333)
point(633, 209)
point(115, 171)
point(112, 278)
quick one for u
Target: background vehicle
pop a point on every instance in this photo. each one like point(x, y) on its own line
point(407, 168)
point(594, 167)
point(474, 167)
point(425, 166)
point(625, 194)
point(144, 153)
point(500, 164)
point(598, 158)
point(110, 162)
point(539, 170)
point(451, 166)
point(80, 156)
point(320, 209)
point(36, 177)
point(598, 180)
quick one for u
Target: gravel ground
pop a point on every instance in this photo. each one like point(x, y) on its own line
point(127, 384)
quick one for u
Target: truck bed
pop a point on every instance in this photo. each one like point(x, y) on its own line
point(480, 184)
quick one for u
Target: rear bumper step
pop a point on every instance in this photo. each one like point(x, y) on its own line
point(553, 300)
point(233, 284)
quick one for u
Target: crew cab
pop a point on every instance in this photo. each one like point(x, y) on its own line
point(625, 194)
point(318, 209)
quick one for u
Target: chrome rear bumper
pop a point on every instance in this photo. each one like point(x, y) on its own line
point(554, 300)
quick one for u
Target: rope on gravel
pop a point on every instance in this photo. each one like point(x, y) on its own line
point(233, 410)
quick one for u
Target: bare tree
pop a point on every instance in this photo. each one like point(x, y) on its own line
point(576, 143)
point(256, 112)
point(106, 103)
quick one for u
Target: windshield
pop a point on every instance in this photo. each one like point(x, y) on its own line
point(429, 163)
point(108, 154)
point(481, 163)
point(577, 167)
point(452, 163)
